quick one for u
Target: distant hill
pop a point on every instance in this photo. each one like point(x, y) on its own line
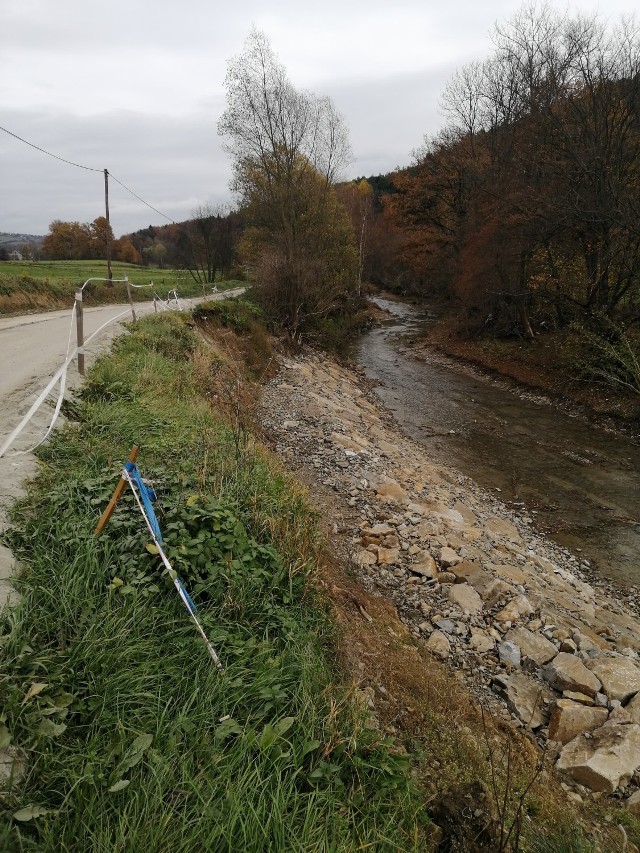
point(17, 241)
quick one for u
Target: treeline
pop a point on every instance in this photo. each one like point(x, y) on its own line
point(205, 245)
point(525, 208)
point(79, 241)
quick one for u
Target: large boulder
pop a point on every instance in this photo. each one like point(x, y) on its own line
point(570, 719)
point(472, 574)
point(606, 759)
point(567, 672)
point(439, 645)
point(532, 645)
point(620, 677)
point(424, 565)
point(448, 557)
point(465, 597)
point(515, 609)
point(527, 698)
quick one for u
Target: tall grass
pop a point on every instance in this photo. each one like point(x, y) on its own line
point(133, 741)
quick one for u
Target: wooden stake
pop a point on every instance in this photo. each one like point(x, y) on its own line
point(120, 490)
point(130, 300)
point(80, 331)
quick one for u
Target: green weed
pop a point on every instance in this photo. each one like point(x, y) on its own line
point(133, 740)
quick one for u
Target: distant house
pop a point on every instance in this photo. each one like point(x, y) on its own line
point(15, 255)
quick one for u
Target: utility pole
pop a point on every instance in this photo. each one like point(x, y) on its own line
point(106, 209)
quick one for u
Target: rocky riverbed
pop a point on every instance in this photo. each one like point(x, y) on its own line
point(513, 614)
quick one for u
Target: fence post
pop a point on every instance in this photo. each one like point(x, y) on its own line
point(80, 331)
point(133, 313)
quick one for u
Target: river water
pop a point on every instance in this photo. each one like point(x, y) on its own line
point(575, 481)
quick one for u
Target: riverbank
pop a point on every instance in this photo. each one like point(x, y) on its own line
point(332, 725)
point(508, 611)
point(578, 483)
point(548, 366)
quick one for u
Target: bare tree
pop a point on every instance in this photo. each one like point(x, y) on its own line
point(209, 242)
point(288, 147)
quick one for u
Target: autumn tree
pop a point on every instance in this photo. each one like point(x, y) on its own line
point(100, 234)
point(288, 147)
point(529, 195)
point(66, 241)
point(125, 251)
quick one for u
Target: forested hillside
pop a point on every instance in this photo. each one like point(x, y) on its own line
point(525, 206)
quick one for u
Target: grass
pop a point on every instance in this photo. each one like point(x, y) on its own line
point(46, 285)
point(133, 740)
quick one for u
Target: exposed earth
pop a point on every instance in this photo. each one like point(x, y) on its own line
point(502, 605)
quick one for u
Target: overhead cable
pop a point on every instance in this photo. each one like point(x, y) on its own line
point(89, 169)
point(135, 195)
point(55, 156)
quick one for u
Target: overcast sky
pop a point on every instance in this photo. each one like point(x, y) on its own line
point(137, 87)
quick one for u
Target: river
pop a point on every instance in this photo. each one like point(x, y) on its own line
point(575, 481)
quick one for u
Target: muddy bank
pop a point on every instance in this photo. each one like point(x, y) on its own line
point(548, 366)
point(505, 607)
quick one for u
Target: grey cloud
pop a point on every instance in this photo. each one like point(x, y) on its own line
point(171, 163)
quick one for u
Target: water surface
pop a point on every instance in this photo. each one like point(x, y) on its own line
point(576, 481)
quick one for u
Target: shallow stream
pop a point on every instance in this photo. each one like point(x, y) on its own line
point(578, 482)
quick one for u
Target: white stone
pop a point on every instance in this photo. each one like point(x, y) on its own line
point(509, 653)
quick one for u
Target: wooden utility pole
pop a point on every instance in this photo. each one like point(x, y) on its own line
point(106, 213)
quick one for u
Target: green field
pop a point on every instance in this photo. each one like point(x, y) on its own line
point(27, 286)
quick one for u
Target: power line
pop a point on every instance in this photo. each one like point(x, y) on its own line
point(159, 212)
point(55, 156)
point(90, 169)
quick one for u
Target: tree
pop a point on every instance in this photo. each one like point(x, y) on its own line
point(357, 198)
point(528, 200)
point(66, 241)
point(155, 253)
point(209, 242)
point(125, 251)
point(100, 235)
point(287, 148)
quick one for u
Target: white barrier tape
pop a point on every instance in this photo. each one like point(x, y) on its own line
point(172, 572)
point(56, 412)
point(45, 392)
point(79, 350)
point(161, 302)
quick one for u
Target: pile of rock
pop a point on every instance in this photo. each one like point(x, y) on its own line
point(504, 606)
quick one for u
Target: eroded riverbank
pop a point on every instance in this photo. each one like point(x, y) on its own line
point(508, 609)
